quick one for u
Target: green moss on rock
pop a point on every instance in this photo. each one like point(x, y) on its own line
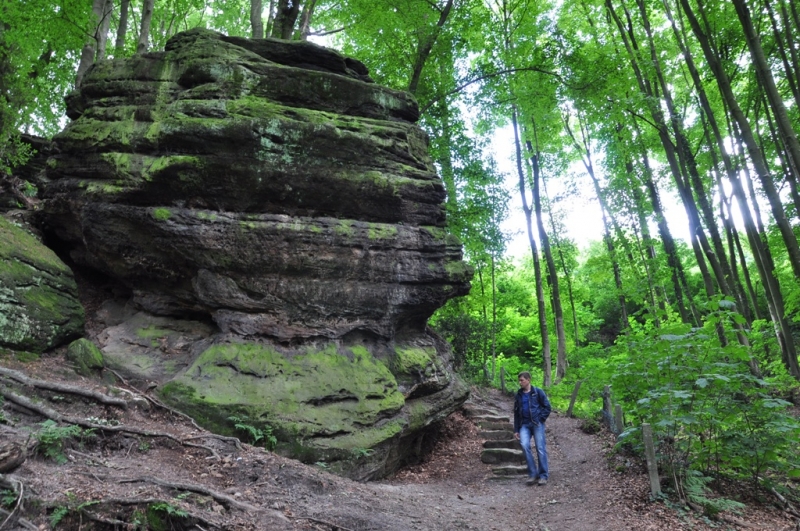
point(326, 399)
point(84, 356)
point(39, 308)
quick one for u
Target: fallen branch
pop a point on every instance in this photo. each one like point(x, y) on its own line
point(58, 417)
point(199, 489)
point(63, 388)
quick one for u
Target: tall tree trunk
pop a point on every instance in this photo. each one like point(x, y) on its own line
point(90, 47)
point(304, 28)
point(144, 32)
point(286, 14)
point(425, 45)
point(782, 154)
point(256, 19)
point(122, 28)
point(552, 272)
point(102, 30)
point(586, 157)
point(537, 268)
point(756, 156)
point(688, 167)
point(764, 71)
point(679, 284)
point(567, 272)
point(787, 67)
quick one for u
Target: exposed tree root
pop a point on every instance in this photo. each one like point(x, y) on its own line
point(141, 501)
point(233, 440)
point(63, 388)
point(19, 489)
point(199, 489)
point(58, 417)
point(334, 527)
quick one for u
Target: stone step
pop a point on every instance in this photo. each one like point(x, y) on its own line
point(492, 418)
point(498, 456)
point(472, 410)
point(493, 425)
point(497, 435)
point(510, 470)
point(503, 443)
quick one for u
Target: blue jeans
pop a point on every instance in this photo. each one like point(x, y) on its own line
point(537, 430)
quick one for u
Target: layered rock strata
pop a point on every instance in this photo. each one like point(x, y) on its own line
point(273, 195)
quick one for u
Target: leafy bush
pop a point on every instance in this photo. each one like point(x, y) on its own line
point(709, 412)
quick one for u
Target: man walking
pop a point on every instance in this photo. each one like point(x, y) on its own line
point(531, 409)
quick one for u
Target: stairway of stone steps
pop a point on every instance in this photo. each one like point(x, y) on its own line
point(500, 448)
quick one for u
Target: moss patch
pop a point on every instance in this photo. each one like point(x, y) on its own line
point(329, 398)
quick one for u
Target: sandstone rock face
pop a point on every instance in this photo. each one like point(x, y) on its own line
point(39, 307)
point(274, 196)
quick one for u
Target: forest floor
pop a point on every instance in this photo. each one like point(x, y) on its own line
point(186, 478)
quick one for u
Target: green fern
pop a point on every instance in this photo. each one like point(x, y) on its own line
point(695, 486)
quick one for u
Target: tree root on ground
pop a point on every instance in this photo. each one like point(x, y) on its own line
point(58, 417)
point(224, 499)
point(141, 501)
point(233, 440)
point(63, 388)
point(334, 527)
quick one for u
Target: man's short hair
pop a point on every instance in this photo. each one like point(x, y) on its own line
point(524, 374)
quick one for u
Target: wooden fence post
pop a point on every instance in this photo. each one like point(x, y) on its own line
point(618, 424)
point(652, 465)
point(608, 417)
point(573, 397)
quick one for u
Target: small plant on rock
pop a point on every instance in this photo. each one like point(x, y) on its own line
point(255, 434)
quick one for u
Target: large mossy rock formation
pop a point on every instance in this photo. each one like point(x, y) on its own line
point(279, 221)
point(39, 306)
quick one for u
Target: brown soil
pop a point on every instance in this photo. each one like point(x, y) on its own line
point(109, 482)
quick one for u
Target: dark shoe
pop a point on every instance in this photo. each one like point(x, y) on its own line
point(531, 481)
point(542, 481)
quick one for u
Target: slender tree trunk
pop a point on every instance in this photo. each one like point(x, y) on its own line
point(102, 30)
point(782, 154)
point(679, 284)
point(787, 67)
point(122, 29)
point(304, 28)
point(425, 46)
point(561, 345)
point(485, 332)
point(256, 19)
point(537, 268)
point(494, 321)
point(756, 156)
point(586, 157)
point(89, 50)
point(567, 272)
point(144, 32)
point(791, 44)
point(765, 75)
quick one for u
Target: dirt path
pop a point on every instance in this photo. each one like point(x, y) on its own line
point(116, 477)
point(590, 488)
